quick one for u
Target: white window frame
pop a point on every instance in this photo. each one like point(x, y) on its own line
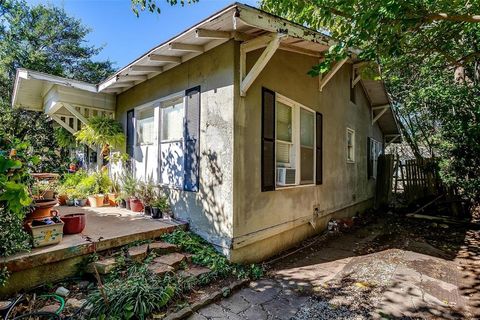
point(352, 132)
point(137, 111)
point(296, 107)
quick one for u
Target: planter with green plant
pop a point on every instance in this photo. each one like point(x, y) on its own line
point(159, 207)
point(146, 193)
point(113, 193)
point(130, 188)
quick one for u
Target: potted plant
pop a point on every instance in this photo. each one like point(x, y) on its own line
point(114, 192)
point(146, 193)
point(159, 206)
point(80, 198)
point(130, 189)
point(120, 200)
point(70, 196)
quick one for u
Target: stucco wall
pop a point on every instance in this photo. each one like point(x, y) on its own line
point(258, 216)
point(209, 211)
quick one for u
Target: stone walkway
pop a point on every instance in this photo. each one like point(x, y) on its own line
point(334, 281)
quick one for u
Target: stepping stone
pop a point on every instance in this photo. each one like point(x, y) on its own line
point(194, 271)
point(159, 269)
point(162, 247)
point(173, 259)
point(103, 266)
point(138, 253)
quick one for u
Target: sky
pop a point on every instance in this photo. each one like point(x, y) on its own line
point(125, 37)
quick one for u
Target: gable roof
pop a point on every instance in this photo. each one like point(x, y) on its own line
point(236, 21)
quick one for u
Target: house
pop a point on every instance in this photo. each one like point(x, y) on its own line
point(255, 154)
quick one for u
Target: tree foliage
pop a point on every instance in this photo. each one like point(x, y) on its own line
point(42, 38)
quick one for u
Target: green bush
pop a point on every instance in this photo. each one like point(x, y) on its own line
point(135, 296)
point(204, 254)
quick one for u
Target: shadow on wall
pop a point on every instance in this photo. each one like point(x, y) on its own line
point(205, 209)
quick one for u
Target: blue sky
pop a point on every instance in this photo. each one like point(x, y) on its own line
point(123, 35)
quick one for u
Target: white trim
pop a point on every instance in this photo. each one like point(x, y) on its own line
point(331, 73)
point(296, 108)
point(350, 130)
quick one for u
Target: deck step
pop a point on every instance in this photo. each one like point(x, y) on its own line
point(162, 247)
point(104, 266)
point(173, 260)
point(194, 271)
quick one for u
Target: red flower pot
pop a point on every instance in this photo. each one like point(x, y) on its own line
point(136, 205)
point(74, 223)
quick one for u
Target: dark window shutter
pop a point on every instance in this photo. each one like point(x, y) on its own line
point(192, 140)
point(268, 140)
point(319, 148)
point(130, 132)
point(369, 158)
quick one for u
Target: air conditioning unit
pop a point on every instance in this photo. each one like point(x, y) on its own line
point(285, 176)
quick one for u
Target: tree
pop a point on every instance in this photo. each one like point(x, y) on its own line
point(42, 38)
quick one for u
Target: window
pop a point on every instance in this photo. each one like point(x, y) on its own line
point(350, 145)
point(145, 126)
point(294, 143)
point(172, 114)
point(375, 150)
point(172, 120)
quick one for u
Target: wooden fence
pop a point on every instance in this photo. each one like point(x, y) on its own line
point(416, 178)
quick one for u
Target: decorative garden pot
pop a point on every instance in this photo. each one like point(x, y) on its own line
point(80, 202)
point(42, 209)
point(121, 203)
point(156, 213)
point(62, 199)
point(96, 200)
point(70, 202)
point(74, 223)
point(136, 205)
point(147, 210)
point(112, 199)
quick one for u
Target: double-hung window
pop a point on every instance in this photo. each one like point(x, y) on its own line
point(294, 143)
point(172, 117)
point(145, 126)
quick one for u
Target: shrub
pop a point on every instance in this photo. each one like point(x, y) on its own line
point(137, 295)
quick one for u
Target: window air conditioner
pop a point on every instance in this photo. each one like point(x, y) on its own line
point(285, 176)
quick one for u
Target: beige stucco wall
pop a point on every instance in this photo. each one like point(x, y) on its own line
point(209, 211)
point(264, 221)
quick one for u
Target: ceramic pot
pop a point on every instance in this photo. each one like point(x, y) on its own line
point(156, 213)
point(136, 205)
point(42, 209)
point(96, 200)
point(70, 202)
point(147, 210)
point(74, 223)
point(80, 202)
point(112, 199)
point(62, 199)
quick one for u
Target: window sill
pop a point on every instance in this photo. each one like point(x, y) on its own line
point(145, 144)
point(295, 186)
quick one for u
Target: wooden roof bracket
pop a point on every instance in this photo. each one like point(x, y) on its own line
point(382, 112)
point(325, 79)
point(355, 78)
point(272, 43)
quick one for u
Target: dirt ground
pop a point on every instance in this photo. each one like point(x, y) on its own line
point(390, 267)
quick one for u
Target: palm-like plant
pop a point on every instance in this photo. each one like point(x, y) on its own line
point(102, 132)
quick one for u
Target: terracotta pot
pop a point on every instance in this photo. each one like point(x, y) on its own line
point(42, 209)
point(74, 223)
point(112, 199)
point(96, 200)
point(136, 205)
point(62, 199)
